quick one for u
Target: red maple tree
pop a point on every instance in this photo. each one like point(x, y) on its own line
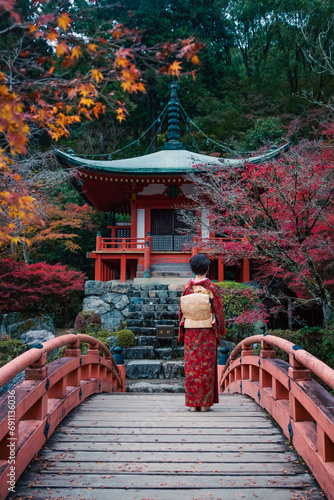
point(281, 213)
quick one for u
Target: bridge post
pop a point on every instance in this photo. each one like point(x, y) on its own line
point(119, 358)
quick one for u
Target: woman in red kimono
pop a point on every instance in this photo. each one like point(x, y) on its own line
point(200, 344)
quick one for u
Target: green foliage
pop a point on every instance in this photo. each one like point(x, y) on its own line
point(317, 341)
point(265, 130)
point(328, 347)
point(241, 309)
point(10, 349)
point(125, 338)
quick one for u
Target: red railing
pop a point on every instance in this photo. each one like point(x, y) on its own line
point(120, 244)
point(302, 407)
point(31, 410)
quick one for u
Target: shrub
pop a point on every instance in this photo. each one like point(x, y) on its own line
point(87, 322)
point(242, 309)
point(80, 323)
point(10, 349)
point(125, 338)
point(95, 319)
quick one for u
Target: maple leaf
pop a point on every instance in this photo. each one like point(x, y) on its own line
point(71, 92)
point(92, 47)
point(64, 21)
point(174, 69)
point(195, 59)
point(62, 48)
point(96, 74)
point(120, 114)
point(76, 52)
point(52, 35)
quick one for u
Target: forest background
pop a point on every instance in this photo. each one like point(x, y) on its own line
point(264, 75)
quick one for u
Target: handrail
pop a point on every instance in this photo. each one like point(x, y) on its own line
point(20, 363)
point(299, 404)
point(121, 243)
point(312, 363)
point(31, 410)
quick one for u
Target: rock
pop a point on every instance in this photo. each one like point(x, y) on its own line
point(111, 320)
point(143, 369)
point(147, 387)
point(120, 287)
point(97, 287)
point(146, 340)
point(136, 300)
point(139, 352)
point(113, 342)
point(7, 387)
point(175, 288)
point(16, 323)
point(164, 353)
point(173, 369)
point(117, 300)
point(36, 337)
point(95, 304)
point(178, 352)
point(126, 312)
point(162, 294)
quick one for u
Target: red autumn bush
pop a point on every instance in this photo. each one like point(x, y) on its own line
point(37, 286)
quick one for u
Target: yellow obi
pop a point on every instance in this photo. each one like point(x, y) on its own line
point(196, 308)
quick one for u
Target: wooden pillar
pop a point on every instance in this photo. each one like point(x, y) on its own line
point(98, 268)
point(147, 259)
point(147, 220)
point(98, 241)
point(133, 220)
point(220, 270)
point(245, 271)
point(123, 269)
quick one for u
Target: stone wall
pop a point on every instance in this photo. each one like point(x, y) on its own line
point(117, 302)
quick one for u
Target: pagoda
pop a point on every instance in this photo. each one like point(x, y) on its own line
point(151, 188)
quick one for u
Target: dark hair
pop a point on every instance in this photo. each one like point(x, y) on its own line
point(199, 263)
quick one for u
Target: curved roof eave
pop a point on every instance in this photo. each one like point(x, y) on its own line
point(161, 162)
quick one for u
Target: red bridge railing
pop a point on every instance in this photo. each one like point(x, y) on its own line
point(31, 410)
point(300, 405)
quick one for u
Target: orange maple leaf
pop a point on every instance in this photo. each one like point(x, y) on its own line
point(64, 21)
point(120, 114)
point(96, 74)
point(86, 101)
point(76, 52)
point(174, 69)
point(62, 48)
point(52, 35)
point(92, 47)
point(195, 60)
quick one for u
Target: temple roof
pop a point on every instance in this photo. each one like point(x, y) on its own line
point(162, 162)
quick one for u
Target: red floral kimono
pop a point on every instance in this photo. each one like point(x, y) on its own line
point(200, 351)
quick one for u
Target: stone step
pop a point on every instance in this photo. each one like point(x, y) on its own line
point(154, 369)
point(159, 387)
point(153, 352)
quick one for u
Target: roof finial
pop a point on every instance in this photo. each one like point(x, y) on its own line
point(173, 119)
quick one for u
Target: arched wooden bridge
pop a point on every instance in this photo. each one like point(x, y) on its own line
point(117, 445)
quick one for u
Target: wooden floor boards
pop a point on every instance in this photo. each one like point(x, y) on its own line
point(149, 446)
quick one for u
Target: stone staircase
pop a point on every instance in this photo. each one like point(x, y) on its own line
point(158, 360)
point(166, 269)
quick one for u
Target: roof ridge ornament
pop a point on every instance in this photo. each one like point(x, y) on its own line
point(173, 133)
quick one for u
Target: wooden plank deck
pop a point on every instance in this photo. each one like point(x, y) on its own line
point(149, 446)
